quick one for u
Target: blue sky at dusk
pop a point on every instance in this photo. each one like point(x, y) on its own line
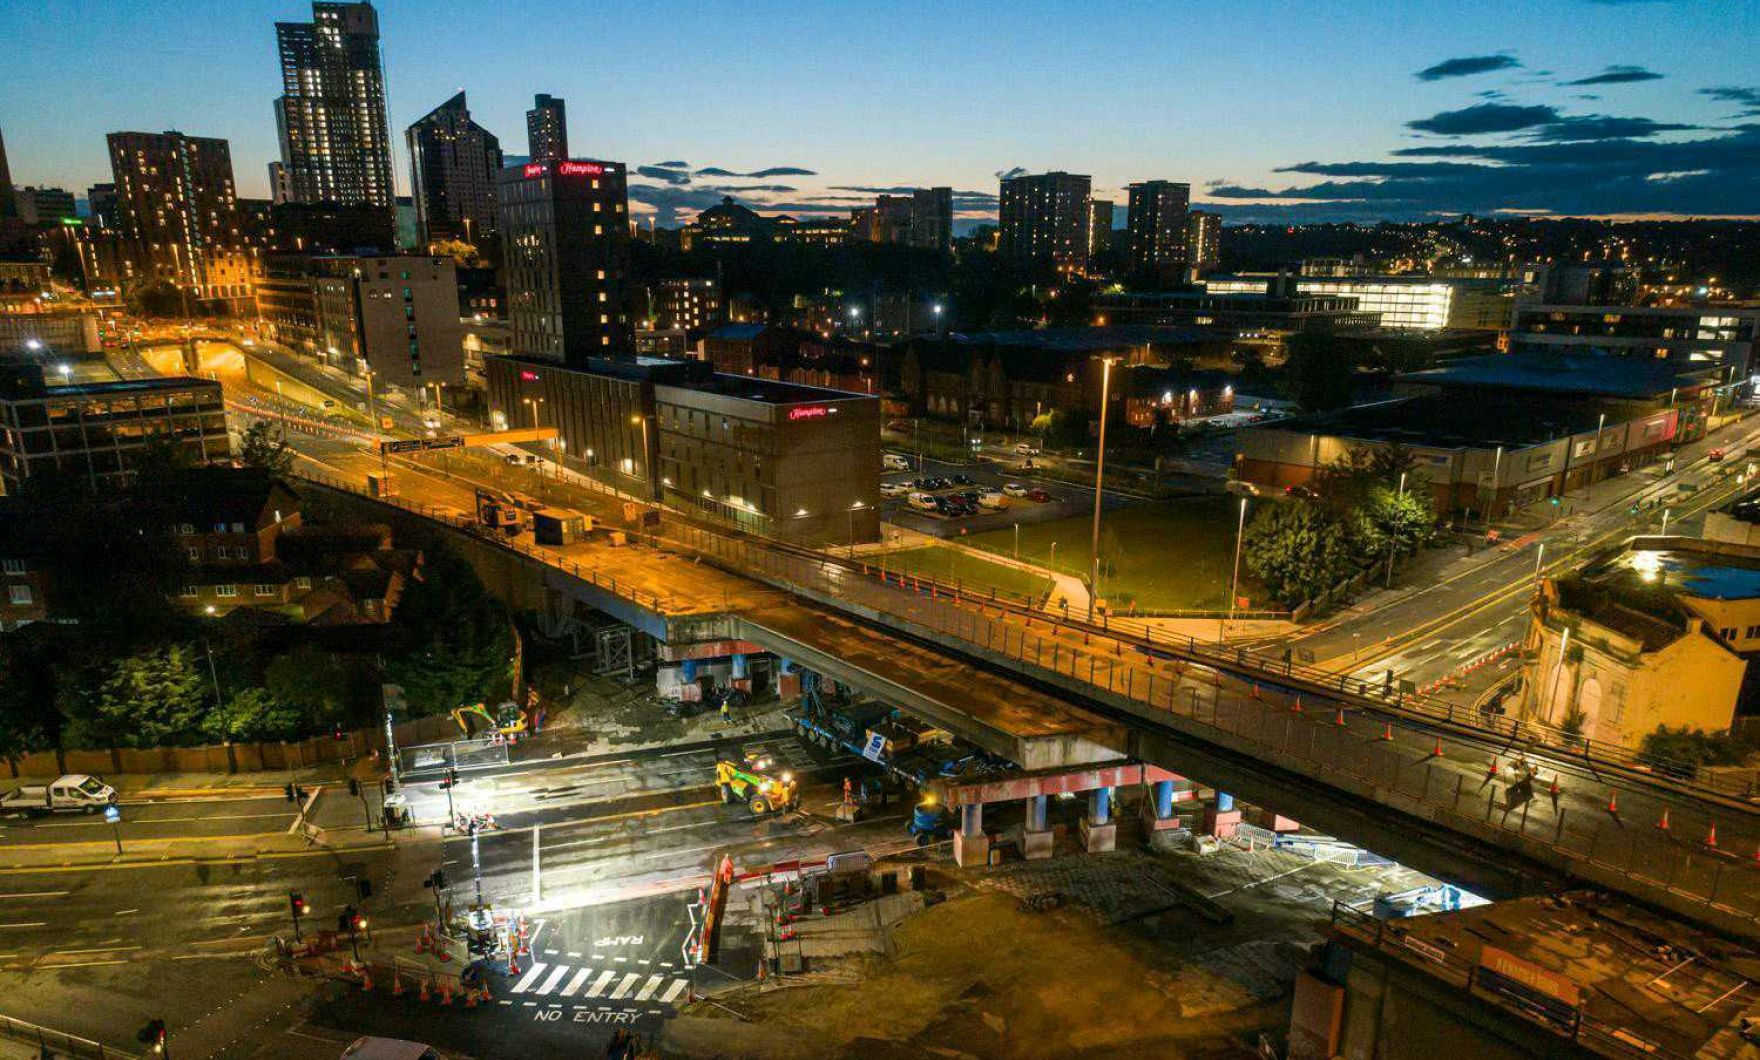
point(1341, 110)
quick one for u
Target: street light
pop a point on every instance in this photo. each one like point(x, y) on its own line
point(641, 420)
point(853, 509)
point(1234, 584)
point(1099, 477)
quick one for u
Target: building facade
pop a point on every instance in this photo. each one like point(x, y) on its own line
point(1099, 227)
point(1204, 241)
point(1717, 335)
point(454, 164)
point(96, 431)
point(398, 317)
point(1044, 219)
point(689, 304)
point(1159, 224)
point(565, 240)
point(547, 129)
point(335, 138)
point(1404, 303)
point(932, 219)
point(43, 206)
point(178, 219)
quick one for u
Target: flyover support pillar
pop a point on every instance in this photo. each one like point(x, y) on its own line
point(1036, 838)
point(971, 846)
point(1160, 823)
point(1099, 831)
point(1222, 820)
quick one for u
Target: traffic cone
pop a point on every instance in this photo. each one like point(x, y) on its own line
point(423, 942)
point(1491, 770)
point(446, 993)
point(513, 963)
point(1339, 721)
point(1296, 707)
point(1613, 802)
point(396, 983)
point(1387, 733)
point(483, 993)
point(470, 998)
point(366, 979)
point(1436, 752)
point(1555, 789)
point(763, 968)
point(1662, 824)
point(422, 990)
point(1711, 835)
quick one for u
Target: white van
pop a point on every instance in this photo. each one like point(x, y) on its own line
point(922, 502)
point(992, 498)
point(894, 462)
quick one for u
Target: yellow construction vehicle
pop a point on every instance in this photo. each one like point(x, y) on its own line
point(508, 720)
point(748, 782)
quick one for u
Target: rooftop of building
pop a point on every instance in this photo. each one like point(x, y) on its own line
point(738, 332)
point(1659, 984)
point(1708, 309)
point(1441, 421)
point(1093, 340)
point(30, 381)
point(772, 391)
point(693, 375)
point(1585, 371)
point(1687, 566)
point(1745, 508)
point(204, 496)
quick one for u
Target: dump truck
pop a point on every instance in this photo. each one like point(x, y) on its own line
point(750, 782)
point(560, 526)
point(72, 793)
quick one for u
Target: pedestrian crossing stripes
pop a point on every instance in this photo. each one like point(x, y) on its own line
point(611, 984)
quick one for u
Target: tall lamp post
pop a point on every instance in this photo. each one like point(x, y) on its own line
point(1391, 538)
point(1099, 478)
point(373, 411)
point(1234, 584)
point(641, 420)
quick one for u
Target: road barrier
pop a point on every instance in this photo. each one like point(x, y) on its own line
point(68, 1046)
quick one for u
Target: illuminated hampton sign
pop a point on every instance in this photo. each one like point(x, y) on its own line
point(563, 169)
point(528, 376)
point(811, 412)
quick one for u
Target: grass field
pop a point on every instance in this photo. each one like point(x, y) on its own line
point(1165, 556)
point(950, 565)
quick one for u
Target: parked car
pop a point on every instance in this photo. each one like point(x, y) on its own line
point(923, 502)
point(894, 462)
point(1039, 495)
point(992, 499)
point(1015, 489)
point(1027, 449)
point(1715, 455)
point(894, 489)
point(961, 480)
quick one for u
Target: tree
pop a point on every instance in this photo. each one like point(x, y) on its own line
point(254, 714)
point(316, 684)
point(1695, 747)
point(1389, 522)
point(263, 445)
point(1382, 497)
point(1320, 368)
point(451, 642)
point(150, 698)
point(1296, 550)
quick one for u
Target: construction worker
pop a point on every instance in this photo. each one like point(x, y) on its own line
point(727, 709)
point(847, 797)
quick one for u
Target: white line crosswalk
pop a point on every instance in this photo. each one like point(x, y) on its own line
point(610, 984)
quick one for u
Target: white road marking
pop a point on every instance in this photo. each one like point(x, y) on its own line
point(654, 983)
point(36, 894)
point(599, 984)
point(26, 924)
point(674, 990)
point(555, 977)
point(575, 955)
point(526, 980)
point(575, 984)
point(624, 987)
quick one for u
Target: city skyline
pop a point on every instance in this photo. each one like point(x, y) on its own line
point(1308, 116)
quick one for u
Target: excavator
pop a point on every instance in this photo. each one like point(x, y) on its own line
point(751, 783)
point(508, 720)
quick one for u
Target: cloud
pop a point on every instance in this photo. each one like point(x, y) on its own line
point(1011, 173)
point(665, 174)
point(773, 171)
point(1485, 118)
point(896, 189)
point(1618, 75)
point(729, 189)
point(1602, 127)
point(673, 165)
point(1466, 66)
point(1746, 98)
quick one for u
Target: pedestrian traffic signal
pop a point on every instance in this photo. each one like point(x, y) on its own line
point(297, 903)
point(437, 881)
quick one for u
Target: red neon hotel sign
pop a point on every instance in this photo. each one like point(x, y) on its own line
point(563, 169)
point(810, 412)
point(528, 376)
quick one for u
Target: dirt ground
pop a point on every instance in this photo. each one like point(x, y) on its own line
point(979, 976)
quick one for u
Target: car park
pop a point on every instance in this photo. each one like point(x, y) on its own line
point(960, 480)
point(1015, 489)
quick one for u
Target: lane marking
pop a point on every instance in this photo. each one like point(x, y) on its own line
point(599, 984)
point(26, 924)
point(532, 973)
point(555, 977)
point(674, 990)
point(647, 991)
point(623, 988)
point(575, 984)
point(36, 894)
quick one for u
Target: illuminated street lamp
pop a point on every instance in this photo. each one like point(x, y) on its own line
point(1099, 478)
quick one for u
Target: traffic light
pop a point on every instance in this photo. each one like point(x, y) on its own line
point(437, 881)
point(152, 1035)
point(297, 903)
point(345, 920)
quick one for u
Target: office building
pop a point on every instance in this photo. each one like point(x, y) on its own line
point(280, 187)
point(335, 140)
point(95, 431)
point(177, 216)
point(1159, 224)
point(887, 221)
point(102, 206)
point(44, 206)
point(690, 304)
point(454, 164)
point(1404, 303)
point(798, 463)
point(8, 200)
point(1044, 220)
point(1204, 241)
point(565, 240)
point(547, 129)
point(1709, 334)
point(1099, 227)
point(932, 219)
point(394, 317)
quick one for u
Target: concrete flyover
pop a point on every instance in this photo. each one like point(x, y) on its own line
point(1443, 797)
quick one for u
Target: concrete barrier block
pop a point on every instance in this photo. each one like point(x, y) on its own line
point(1037, 846)
point(1099, 838)
point(970, 850)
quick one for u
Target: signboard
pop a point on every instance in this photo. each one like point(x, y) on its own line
point(454, 442)
point(112, 814)
point(875, 749)
point(810, 412)
point(1529, 975)
point(533, 170)
point(528, 376)
point(403, 447)
point(412, 445)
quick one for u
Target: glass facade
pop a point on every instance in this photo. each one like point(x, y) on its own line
point(96, 432)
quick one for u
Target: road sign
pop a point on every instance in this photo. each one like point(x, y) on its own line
point(410, 446)
point(454, 442)
point(112, 814)
point(875, 750)
point(416, 445)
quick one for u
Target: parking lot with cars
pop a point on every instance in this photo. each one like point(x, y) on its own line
point(947, 500)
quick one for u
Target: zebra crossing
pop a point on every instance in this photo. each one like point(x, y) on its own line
point(601, 984)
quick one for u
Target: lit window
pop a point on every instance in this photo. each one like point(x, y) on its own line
point(226, 590)
point(19, 594)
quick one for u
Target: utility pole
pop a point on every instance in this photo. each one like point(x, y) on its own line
point(1099, 491)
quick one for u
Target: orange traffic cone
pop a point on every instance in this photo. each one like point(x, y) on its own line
point(366, 980)
point(1662, 823)
point(422, 990)
point(483, 993)
point(1436, 752)
point(423, 942)
point(1387, 733)
point(1613, 802)
point(513, 963)
point(1491, 770)
point(1339, 721)
point(396, 983)
point(1296, 707)
point(470, 998)
point(446, 993)
point(1711, 835)
point(1555, 788)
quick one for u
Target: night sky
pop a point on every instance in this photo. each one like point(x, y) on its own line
point(1342, 110)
